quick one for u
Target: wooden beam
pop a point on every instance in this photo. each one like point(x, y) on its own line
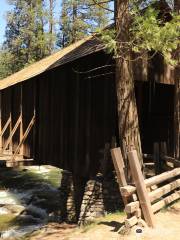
point(130, 222)
point(119, 168)
point(156, 194)
point(5, 126)
point(167, 200)
point(127, 190)
point(162, 177)
point(21, 124)
point(12, 133)
point(10, 130)
point(141, 188)
point(10, 126)
point(24, 136)
point(132, 207)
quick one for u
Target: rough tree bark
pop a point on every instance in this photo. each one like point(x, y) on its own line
point(127, 109)
point(51, 24)
point(177, 98)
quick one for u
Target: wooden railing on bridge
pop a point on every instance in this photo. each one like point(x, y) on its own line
point(18, 152)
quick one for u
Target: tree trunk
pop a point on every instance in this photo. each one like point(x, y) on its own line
point(74, 19)
point(127, 109)
point(177, 98)
point(51, 24)
point(177, 114)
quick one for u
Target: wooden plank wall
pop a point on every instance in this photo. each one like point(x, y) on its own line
point(76, 118)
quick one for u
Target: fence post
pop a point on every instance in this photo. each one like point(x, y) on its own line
point(156, 156)
point(119, 168)
point(141, 188)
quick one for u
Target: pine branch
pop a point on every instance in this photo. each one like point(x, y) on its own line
point(100, 5)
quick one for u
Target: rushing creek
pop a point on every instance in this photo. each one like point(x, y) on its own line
point(29, 198)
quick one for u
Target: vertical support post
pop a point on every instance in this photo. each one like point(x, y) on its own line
point(163, 153)
point(10, 125)
point(156, 156)
point(21, 124)
point(0, 122)
point(141, 188)
point(35, 113)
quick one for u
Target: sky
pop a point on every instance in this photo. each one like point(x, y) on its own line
point(4, 7)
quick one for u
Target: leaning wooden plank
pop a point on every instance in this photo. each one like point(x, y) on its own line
point(119, 165)
point(132, 207)
point(141, 188)
point(127, 190)
point(119, 168)
point(167, 200)
point(12, 133)
point(162, 177)
point(156, 194)
point(130, 222)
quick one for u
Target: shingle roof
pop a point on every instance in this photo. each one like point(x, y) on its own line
point(77, 50)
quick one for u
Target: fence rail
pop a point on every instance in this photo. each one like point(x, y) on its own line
point(147, 196)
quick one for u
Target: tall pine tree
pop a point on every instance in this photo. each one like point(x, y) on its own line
point(80, 18)
point(27, 38)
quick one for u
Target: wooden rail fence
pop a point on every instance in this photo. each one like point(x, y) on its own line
point(144, 197)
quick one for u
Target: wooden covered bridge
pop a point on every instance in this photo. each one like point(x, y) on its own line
point(62, 110)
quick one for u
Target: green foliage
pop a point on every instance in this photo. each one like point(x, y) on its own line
point(26, 38)
point(108, 38)
point(6, 59)
point(80, 18)
point(148, 32)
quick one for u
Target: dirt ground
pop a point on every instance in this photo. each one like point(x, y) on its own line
point(168, 228)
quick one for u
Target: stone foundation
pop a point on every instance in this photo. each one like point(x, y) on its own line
point(101, 196)
point(83, 203)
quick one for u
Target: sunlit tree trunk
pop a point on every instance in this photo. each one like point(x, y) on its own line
point(51, 24)
point(127, 109)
